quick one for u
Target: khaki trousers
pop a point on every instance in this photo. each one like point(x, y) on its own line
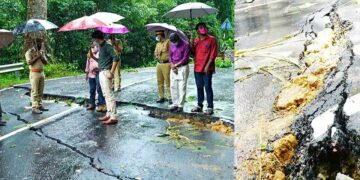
point(178, 85)
point(163, 77)
point(108, 92)
point(37, 81)
point(117, 77)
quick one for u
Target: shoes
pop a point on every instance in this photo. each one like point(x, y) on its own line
point(110, 122)
point(2, 123)
point(197, 109)
point(41, 108)
point(90, 107)
point(179, 109)
point(209, 111)
point(36, 111)
point(162, 100)
point(101, 108)
point(105, 118)
point(173, 108)
point(170, 102)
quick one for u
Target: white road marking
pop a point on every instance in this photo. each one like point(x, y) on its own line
point(138, 82)
point(42, 122)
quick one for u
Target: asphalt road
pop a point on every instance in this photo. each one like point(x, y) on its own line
point(76, 145)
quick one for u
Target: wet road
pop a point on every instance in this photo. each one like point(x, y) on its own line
point(264, 27)
point(77, 146)
point(139, 86)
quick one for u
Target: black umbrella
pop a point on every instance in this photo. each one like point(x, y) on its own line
point(34, 25)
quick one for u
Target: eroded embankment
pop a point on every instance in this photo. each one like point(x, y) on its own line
point(312, 140)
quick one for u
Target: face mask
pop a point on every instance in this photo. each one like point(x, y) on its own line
point(202, 31)
point(157, 38)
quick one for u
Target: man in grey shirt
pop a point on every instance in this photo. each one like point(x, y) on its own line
point(108, 61)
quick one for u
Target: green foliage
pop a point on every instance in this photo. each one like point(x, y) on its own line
point(12, 13)
point(51, 71)
point(226, 63)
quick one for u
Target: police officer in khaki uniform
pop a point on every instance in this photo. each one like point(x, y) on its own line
point(36, 59)
point(163, 66)
point(118, 48)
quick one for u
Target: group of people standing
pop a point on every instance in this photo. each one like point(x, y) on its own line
point(103, 71)
point(172, 69)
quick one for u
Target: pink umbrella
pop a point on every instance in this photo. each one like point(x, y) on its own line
point(114, 29)
point(86, 22)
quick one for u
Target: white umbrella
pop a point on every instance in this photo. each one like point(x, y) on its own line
point(107, 17)
point(191, 10)
point(34, 25)
point(6, 37)
point(153, 27)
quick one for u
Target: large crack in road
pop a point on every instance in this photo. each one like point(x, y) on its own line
point(95, 163)
point(294, 149)
point(336, 151)
point(39, 132)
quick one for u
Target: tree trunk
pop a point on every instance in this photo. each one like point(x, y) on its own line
point(36, 9)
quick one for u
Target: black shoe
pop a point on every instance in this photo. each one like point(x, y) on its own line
point(43, 109)
point(90, 108)
point(2, 123)
point(179, 110)
point(173, 108)
point(170, 102)
point(160, 100)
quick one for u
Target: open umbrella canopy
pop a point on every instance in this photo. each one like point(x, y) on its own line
point(86, 22)
point(107, 17)
point(6, 37)
point(34, 25)
point(114, 29)
point(191, 10)
point(153, 27)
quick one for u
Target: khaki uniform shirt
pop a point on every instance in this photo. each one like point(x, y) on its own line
point(162, 51)
point(118, 43)
point(31, 54)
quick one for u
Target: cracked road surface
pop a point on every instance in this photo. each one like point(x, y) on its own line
point(77, 146)
point(269, 24)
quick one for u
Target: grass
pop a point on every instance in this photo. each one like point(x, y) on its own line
point(51, 71)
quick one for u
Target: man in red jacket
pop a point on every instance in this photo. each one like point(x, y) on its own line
point(205, 49)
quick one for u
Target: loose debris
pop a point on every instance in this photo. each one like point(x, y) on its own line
point(321, 56)
point(182, 131)
point(271, 165)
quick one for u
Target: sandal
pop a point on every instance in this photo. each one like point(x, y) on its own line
point(110, 122)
